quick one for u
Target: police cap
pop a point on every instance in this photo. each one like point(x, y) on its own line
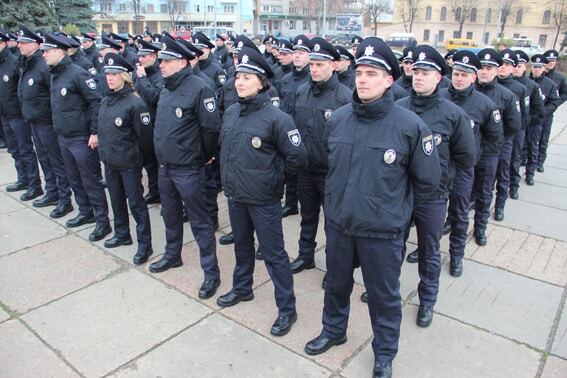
point(509, 56)
point(268, 39)
point(301, 42)
point(202, 41)
point(121, 38)
point(252, 61)
point(551, 55)
point(466, 61)
point(191, 47)
point(285, 46)
point(4, 37)
point(147, 48)
point(375, 52)
point(230, 40)
point(148, 33)
point(450, 54)
point(174, 50)
point(489, 57)
point(242, 41)
point(220, 37)
point(90, 36)
point(54, 41)
point(344, 53)
point(427, 58)
point(539, 60)
point(115, 63)
point(321, 49)
point(522, 56)
point(356, 40)
point(407, 54)
point(108, 43)
point(27, 36)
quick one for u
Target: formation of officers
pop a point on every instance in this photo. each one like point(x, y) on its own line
point(380, 144)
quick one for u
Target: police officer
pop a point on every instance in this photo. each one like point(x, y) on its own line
point(33, 89)
point(488, 133)
point(450, 61)
point(230, 66)
point(18, 132)
point(285, 59)
point(453, 136)
point(185, 139)
point(557, 77)
point(107, 46)
point(207, 63)
point(355, 41)
point(89, 48)
point(221, 52)
point(148, 84)
point(315, 102)
point(257, 142)
point(78, 57)
point(126, 51)
point(533, 130)
point(405, 81)
point(124, 131)
point(268, 54)
point(551, 101)
point(382, 162)
point(343, 67)
point(75, 103)
point(487, 167)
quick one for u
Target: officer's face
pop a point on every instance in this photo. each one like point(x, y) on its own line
point(147, 60)
point(219, 42)
point(505, 70)
point(171, 67)
point(342, 65)
point(424, 82)
point(27, 49)
point(114, 80)
point(353, 49)
point(53, 56)
point(247, 85)
point(268, 47)
point(462, 80)
point(520, 69)
point(407, 67)
point(371, 82)
point(321, 70)
point(300, 58)
point(206, 52)
point(487, 74)
point(2, 46)
point(538, 71)
point(551, 65)
point(285, 59)
point(87, 43)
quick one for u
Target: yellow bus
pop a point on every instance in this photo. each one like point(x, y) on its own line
point(457, 43)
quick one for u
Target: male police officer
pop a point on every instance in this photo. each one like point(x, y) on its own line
point(453, 136)
point(185, 138)
point(285, 58)
point(315, 102)
point(268, 42)
point(90, 49)
point(125, 50)
point(207, 63)
point(343, 67)
point(405, 81)
point(33, 89)
point(78, 57)
point(382, 162)
point(221, 52)
point(74, 103)
point(557, 77)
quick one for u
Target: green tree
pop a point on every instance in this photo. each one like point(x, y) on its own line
point(76, 12)
point(33, 13)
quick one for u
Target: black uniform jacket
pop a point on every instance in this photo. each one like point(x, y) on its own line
point(287, 87)
point(550, 94)
point(150, 86)
point(33, 89)
point(506, 102)
point(9, 75)
point(561, 82)
point(522, 96)
point(347, 77)
point(534, 102)
point(213, 70)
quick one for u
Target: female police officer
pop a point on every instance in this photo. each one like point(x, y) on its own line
point(124, 131)
point(257, 142)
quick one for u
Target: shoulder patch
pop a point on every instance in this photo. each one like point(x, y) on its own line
point(496, 115)
point(427, 144)
point(210, 104)
point(145, 118)
point(91, 84)
point(92, 71)
point(518, 107)
point(527, 101)
point(222, 78)
point(294, 137)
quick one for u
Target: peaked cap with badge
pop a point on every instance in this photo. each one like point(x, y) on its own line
point(109, 43)
point(539, 60)
point(407, 54)
point(202, 41)
point(242, 41)
point(25, 35)
point(174, 50)
point(466, 61)
point(375, 52)
point(115, 63)
point(521, 56)
point(321, 49)
point(428, 58)
point(54, 41)
point(344, 53)
point(301, 42)
point(551, 55)
point(252, 61)
point(509, 56)
point(489, 57)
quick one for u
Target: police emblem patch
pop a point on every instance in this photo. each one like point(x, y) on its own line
point(438, 139)
point(222, 79)
point(30, 81)
point(294, 137)
point(275, 101)
point(92, 71)
point(63, 91)
point(256, 142)
point(118, 121)
point(210, 104)
point(427, 144)
point(244, 59)
point(6, 78)
point(328, 113)
point(317, 47)
point(496, 115)
point(518, 106)
point(91, 84)
point(178, 112)
point(145, 118)
point(389, 156)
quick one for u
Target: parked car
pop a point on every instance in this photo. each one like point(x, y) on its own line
point(343, 39)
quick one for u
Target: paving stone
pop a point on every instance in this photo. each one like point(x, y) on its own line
point(554, 368)
point(556, 161)
point(3, 315)
point(449, 348)
point(552, 176)
point(502, 302)
point(23, 355)
point(260, 313)
point(8, 204)
point(25, 228)
point(544, 194)
point(52, 269)
point(559, 347)
point(231, 351)
point(107, 324)
point(7, 169)
point(557, 149)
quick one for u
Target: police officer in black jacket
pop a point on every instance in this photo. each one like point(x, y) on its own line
point(344, 70)
point(185, 139)
point(125, 131)
point(75, 103)
point(107, 46)
point(557, 77)
point(382, 162)
point(207, 63)
point(453, 136)
point(315, 102)
point(127, 52)
point(91, 51)
point(551, 101)
point(405, 81)
point(268, 42)
point(221, 52)
point(285, 60)
point(78, 57)
point(488, 133)
point(33, 89)
point(18, 132)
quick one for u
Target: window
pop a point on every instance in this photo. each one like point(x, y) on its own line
point(473, 15)
point(276, 25)
point(305, 25)
point(516, 35)
point(542, 40)
point(456, 34)
point(458, 12)
point(292, 10)
point(266, 8)
point(428, 13)
point(122, 7)
point(441, 35)
point(519, 16)
point(488, 15)
point(122, 26)
point(546, 17)
point(443, 16)
point(228, 8)
point(152, 26)
point(426, 35)
point(277, 9)
point(486, 38)
point(106, 7)
point(210, 8)
point(197, 8)
point(305, 11)
point(149, 8)
point(107, 28)
point(291, 24)
point(469, 35)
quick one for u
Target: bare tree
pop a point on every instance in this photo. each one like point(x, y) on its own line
point(507, 10)
point(136, 6)
point(174, 10)
point(461, 9)
point(409, 11)
point(374, 11)
point(559, 15)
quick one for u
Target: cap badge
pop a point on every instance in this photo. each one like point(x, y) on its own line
point(178, 112)
point(328, 113)
point(63, 92)
point(552, 55)
point(507, 56)
point(317, 47)
point(196, 41)
point(244, 59)
point(438, 139)
point(538, 60)
point(465, 59)
point(300, 42)
point(156, 39)
point(110, 62)
point(421, 56)
point(389, 156)
point(240, 44)
point(369, 50)
point(356, 40)
point(487, 57)
point(256, 142)
point(118, 121)
point(30, 81)
point(6, 78)
point(410, 54)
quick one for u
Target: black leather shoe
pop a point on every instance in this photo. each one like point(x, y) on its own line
point(31, 194)
point(530, 180)
point(498, 214)
point(364, 297)
point(424, 316)
point(456, 267)
point(100, 233)
point(321, 344)
point(383, 370)
point(142, 256)
point(80, 220)
point(522, 163)
point(231, 298)
point(283, 324)
point(480, 238)
point(324, 282)
point(286, 211)
point(164, 264)
point(209, 288)
point(259, 255)
point(413, 257)
point(514, 194)
point(152, 198)
point(45, 201)
point(116, 241)
point(227, 239)
point(300, 264)
point(61, 210)
point(447, 228)
point(540, 169)
point(16, 187)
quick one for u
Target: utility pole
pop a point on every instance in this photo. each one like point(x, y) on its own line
point(324, 18)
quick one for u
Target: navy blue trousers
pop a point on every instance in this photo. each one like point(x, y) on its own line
point(186, 187)
point(12, 146)
point(49, 155)
point(533, 138)
point(517, 147)
point(126, 185)
point(311, 193)
point(22, 135)
point(82, 167)
point(503, 171)
point(211, 173)
point(544, 140)
point(266, 220)
point(483, 187)
point(151, 166)
point(380, 261)
point(291, 190)
point(459, 200)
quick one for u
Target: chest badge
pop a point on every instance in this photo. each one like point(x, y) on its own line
point(389, 156)
point(6, 78)
point(179, 112)
point(438, 139)
point(63, 92)
point(328, 113)
point(256, 142)
point(30, 81)
point(275, 101)
point(118, 121)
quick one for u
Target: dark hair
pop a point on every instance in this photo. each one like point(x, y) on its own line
point(265, 83)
